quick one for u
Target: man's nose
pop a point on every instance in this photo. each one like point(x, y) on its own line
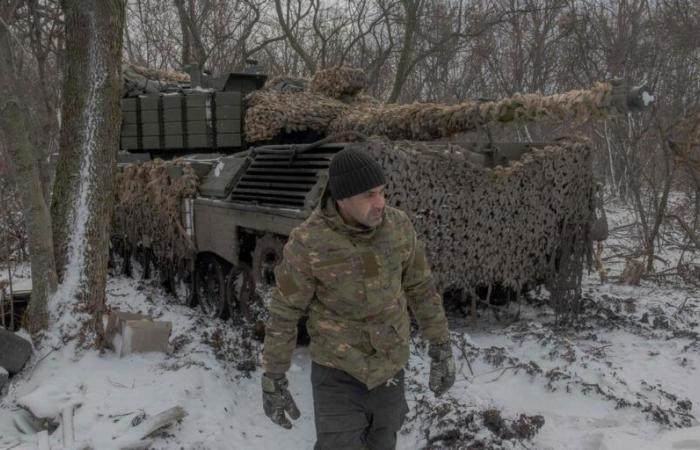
point(379, 202)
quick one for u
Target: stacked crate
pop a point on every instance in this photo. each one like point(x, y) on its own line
point(130, 124)
point(150, 122)
point(197, 120)
point(173, 132)
point(228, 119)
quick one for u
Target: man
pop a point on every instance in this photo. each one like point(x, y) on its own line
point(354, 266)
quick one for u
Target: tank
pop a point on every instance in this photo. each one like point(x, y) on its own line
point(218, 172)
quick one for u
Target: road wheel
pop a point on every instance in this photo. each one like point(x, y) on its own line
point(210, 285)
point(244, 303)
point(179, 285)
point(266, 256)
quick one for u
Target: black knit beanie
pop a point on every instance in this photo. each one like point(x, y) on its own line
point(352, 172)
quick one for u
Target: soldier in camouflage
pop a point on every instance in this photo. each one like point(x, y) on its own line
point(355, 266)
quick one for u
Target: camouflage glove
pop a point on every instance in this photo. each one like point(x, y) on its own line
point(442, 368)
point(277, 400)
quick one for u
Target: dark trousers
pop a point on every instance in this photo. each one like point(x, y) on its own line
point(348, 416)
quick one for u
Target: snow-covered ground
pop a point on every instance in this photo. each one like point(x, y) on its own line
point(626, 377)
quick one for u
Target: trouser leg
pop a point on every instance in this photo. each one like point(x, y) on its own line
point(388, 406)
point(340, 405)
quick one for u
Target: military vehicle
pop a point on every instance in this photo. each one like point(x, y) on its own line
point(219, 171)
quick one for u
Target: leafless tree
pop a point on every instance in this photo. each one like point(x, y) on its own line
point(83, 192)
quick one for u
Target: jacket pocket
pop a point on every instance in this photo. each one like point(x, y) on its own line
point(389, 337)
point(335, 270)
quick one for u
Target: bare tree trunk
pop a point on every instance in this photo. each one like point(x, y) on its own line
point(83, 192)
point(411, 8)
point(15, 126)
point(288, 31)
point(186, 40)
point(36, 215)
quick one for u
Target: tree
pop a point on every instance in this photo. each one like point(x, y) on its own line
point(83, 191)
point(16, 126)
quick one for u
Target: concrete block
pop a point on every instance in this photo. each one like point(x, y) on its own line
point(137, 333)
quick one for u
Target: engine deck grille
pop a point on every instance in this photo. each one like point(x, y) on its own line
point(277, 177)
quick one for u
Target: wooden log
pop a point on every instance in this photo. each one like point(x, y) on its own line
point(136, 437)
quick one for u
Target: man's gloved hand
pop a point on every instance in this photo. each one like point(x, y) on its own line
point(277, 400)
point(442, 368)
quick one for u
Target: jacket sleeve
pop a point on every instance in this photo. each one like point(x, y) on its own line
point(422, 295)
point(295, 287)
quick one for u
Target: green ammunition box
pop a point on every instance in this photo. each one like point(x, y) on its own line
point(228, 140)
point(198, 114)
point(150, 103)
point(228, 113)
point(197, 100)
point(129, 143)
point(198, 140)
point(129, 117)
point(129, 130)
point(150, 142)
point(149, 116)
point(172, 115)
point(172, 128)
point(229, 99)
point(173, 141)
point(129, 104)
point(172, 101)
point(150, 129)
point(197, 127)
point(228, 126)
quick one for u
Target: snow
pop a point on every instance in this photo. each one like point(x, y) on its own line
point(518, 367)
point(20, 284)
point(219, 167)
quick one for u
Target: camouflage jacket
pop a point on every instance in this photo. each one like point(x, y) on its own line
point(355, 284)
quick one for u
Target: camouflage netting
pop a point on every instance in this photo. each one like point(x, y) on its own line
point(290, 105)
point(427, 121)
point(148, 211)
point(166, 76)
point(338, 82)
point(334, 103)
point(288, 112)
point(505, 226)
point(137, 80)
